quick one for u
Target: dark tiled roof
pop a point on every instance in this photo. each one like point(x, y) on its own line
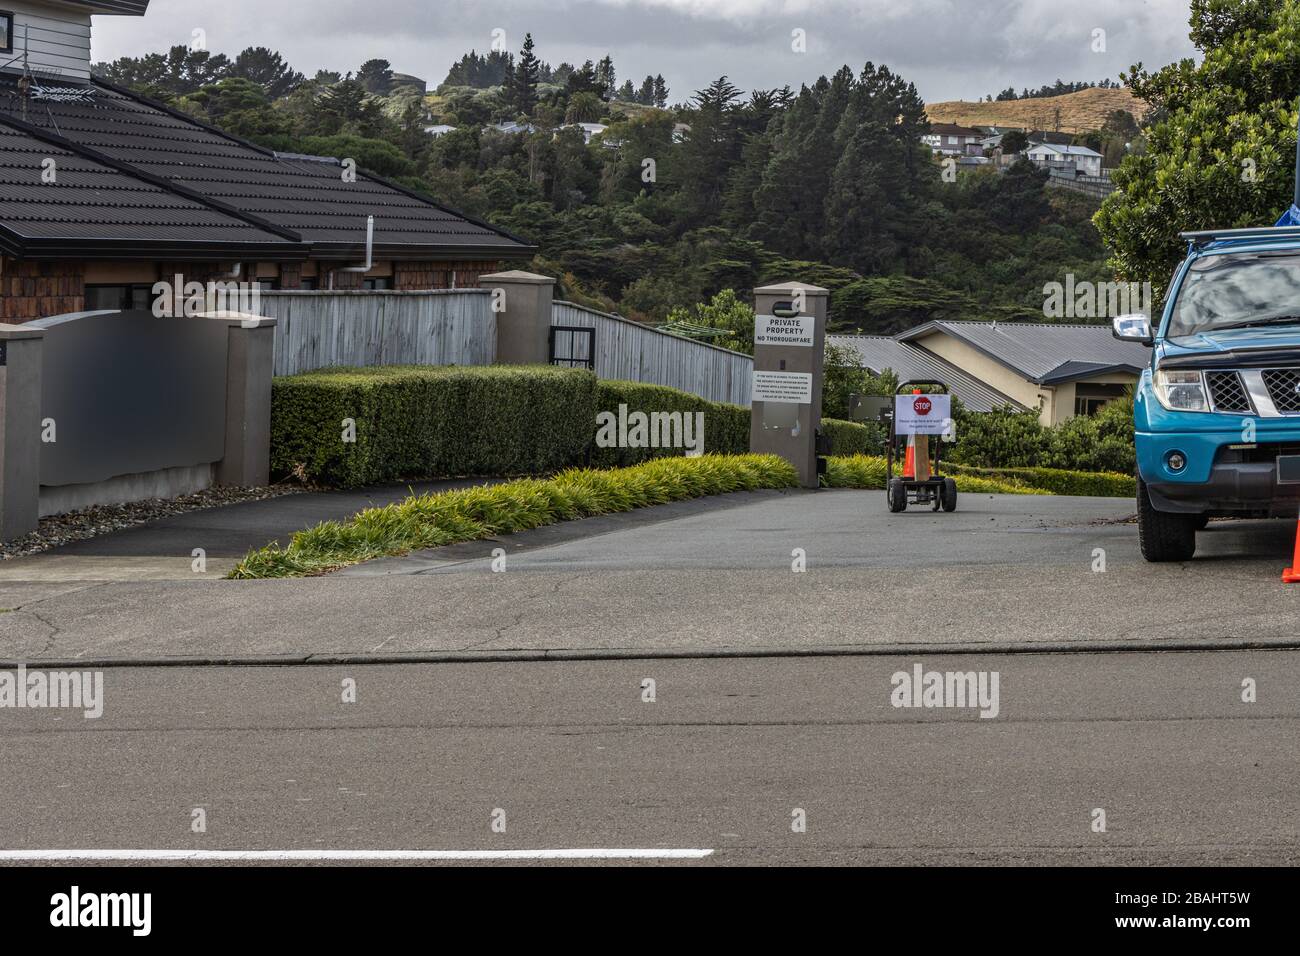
point(134, 8)
point(89, 201)
point(1044, 353)
point(305, 196)
point(910, 363)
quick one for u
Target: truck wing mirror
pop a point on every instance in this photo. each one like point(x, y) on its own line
point(1133, 328)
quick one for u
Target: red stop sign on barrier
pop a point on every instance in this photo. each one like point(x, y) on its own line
point(922, 405)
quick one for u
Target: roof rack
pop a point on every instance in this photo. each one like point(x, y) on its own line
point(1198, 239)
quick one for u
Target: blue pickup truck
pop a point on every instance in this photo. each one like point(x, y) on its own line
point(1218, 412)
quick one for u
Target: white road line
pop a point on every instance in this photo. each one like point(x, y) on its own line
point(224, 856)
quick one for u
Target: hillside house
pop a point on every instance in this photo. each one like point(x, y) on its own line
point(1084, 161)
point(949, 139)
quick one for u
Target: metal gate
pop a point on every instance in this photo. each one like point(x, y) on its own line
point(573, 346)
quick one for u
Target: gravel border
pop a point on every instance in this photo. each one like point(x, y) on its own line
point(58, 530)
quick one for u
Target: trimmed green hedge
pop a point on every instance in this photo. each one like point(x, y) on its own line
point(1094, 484)
point(869, 472)
point(854, 438)
point(471, 514)
point(425, 421)
point(726, 426)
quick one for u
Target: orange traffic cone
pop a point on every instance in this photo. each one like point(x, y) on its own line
point(1292, 574)
point(909, 461)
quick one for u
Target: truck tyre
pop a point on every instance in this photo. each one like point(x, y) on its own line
point(897, 495)
point(948, 495)
point(1164, 536)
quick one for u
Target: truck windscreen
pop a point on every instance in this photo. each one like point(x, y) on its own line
point(1238, 290)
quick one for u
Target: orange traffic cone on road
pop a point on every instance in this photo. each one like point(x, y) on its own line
point(1292, 574)
point(909, 460)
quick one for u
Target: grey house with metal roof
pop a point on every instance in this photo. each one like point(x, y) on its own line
point(104, 192)
point(1060, 370)
point(912, 363)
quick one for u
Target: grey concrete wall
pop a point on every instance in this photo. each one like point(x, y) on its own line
point(523, 303)
point(168, 483)
point(20, 430)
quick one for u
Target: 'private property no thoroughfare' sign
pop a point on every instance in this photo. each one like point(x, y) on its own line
point(773, 330)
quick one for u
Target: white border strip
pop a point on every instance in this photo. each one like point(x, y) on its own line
point(225, 856)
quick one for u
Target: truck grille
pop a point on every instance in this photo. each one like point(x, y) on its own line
point(1282, 384)
point(1227, 392)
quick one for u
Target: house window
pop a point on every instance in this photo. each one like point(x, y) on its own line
point(125, 297)
point(377, 284)
point(307, 284)
point(952, 140)
point(1089, 399)
point(6, 32)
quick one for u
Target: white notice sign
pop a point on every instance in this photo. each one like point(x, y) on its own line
point(771, 330)
point(792, 387)
point(923, 415)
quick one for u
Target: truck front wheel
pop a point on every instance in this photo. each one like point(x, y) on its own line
point(1164, 536)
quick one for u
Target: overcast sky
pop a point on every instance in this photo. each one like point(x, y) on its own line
point(951, 49)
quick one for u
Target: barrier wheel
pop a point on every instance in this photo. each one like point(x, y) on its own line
point(897, 496)
point(948, 496)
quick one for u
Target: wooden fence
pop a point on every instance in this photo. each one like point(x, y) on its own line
point(320, 329)
point(457, 327)
point(635, 352)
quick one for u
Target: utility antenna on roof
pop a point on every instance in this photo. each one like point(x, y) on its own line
point(25, 81)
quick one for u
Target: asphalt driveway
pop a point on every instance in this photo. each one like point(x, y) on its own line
point(711, 576)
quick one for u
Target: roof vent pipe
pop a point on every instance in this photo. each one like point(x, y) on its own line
point(370, 253)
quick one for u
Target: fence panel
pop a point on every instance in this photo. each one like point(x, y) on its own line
point(320, 329)
point(635, 352)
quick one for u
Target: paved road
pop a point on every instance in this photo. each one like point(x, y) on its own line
point(1186, 772)
point(714, 574)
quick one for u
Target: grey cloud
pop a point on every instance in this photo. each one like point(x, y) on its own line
point(950, 48)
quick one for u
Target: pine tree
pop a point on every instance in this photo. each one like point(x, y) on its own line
point(646, 95)
point(661, 92)
point(606, 77)
point(524, 79)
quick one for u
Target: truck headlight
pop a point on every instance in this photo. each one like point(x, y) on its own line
point(1181, 391)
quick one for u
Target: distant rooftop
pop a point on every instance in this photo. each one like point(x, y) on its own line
point(1044, 353)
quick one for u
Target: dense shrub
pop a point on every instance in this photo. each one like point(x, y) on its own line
point(1011, 439)
point(854, 438)
point(422, 422)
point(1099, 484)
point(870, 472)
point(726, 426)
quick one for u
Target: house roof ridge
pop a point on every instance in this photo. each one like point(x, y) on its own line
point(279, 157)
point(162, 182)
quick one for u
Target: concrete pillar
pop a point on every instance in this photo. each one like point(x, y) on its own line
point(249, 369)
point(20, 430)
point(522, 303)
point(789, 353)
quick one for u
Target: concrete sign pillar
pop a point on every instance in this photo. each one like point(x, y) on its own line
point(521, 302)
point(789, 352)
point(20, 430)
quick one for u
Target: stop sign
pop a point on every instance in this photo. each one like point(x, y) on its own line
point(922, 405)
